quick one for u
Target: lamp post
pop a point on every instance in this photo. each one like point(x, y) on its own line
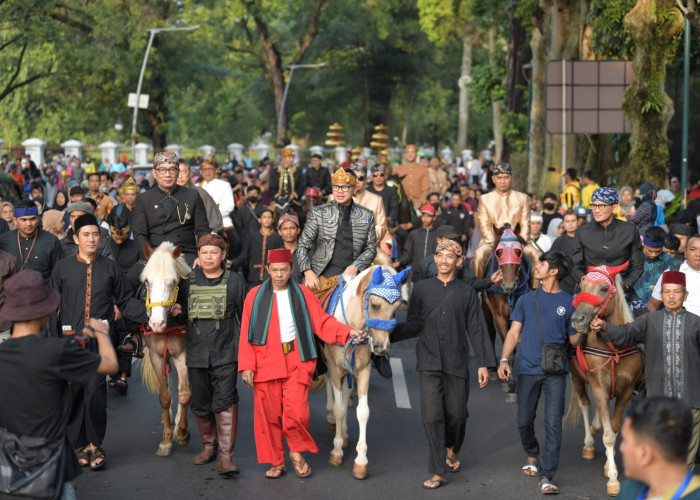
point(284, 96)
point(686, 106)
point(153, 32)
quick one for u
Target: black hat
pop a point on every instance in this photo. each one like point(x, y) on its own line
point(84, 220)
point(75, 190)
point(316, 155)
point(446, 232)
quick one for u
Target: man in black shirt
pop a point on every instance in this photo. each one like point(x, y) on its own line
point(36, 372)
point(445, 314)
point(608, 241)
point(168, 212)
point(247, 216)
point(566, 244)
point(549, 210)
point(212, 350)
point(32, 248)
point(317, 175)
point(389, 194)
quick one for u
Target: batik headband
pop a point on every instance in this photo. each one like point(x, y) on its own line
point(450, 246)
point(605, 195)
point(27, 212)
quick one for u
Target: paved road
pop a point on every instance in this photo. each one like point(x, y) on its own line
point(492, 454)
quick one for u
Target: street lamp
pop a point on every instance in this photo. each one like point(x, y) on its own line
point(153, 32)
point(284, 96)
point(119, 125)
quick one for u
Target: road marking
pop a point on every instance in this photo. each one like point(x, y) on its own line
point(399, 380)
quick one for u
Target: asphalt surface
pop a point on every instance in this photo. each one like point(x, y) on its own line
point(492, 455)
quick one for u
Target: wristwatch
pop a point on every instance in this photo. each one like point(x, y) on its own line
point(504, 361)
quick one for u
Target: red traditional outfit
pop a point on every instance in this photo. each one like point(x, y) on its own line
point(281, 381)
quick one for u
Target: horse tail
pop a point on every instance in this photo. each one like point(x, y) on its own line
point(149, 377)
point(573, 412)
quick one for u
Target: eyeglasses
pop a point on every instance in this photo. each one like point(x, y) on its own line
point(600, 206)
point(361, 178)
point(378, 174)
point(165, 171)
point(342, 189)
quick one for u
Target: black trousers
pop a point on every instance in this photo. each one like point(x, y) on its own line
point(443, 407)
point(88, 421)
point(117, 332)
point(213, 389)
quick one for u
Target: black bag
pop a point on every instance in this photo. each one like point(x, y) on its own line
point(31, 467)
point(553, 355)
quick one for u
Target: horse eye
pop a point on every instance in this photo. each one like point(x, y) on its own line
point(604, 289)
point(499, 252)
point(518, 252)
point(375, 307)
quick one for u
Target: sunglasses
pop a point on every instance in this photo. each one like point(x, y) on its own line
point(378, 174)
point(361, 178)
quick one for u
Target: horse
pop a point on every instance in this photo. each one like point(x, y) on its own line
point(498, 301)
point(610, 372)
point(165, 341)
point(368, 301)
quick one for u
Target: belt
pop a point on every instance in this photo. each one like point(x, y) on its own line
point(287, 347)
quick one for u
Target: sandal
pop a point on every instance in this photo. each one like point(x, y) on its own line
point(548, 488)
point(453, 464)
point(300, 467)
point(276, 471)
point(84, 457)
point(131, 345)
point(98, 454)
point(530, 469)
point(433, 484)
point(121, 385)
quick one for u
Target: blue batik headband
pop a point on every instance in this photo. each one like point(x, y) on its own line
point(27, 212)
point(605, 195)
point(652, 244)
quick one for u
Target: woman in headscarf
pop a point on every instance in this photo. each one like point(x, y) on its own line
point(645, 214)
point(60, 202)
point(626, 195)
point(52, 221)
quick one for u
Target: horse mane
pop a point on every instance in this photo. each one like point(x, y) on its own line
point(162, 265)
point(619, 303)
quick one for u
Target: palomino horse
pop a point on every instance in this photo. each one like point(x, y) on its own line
point(508, 257)
point(368, 302)
point(610, 372)
point(163, 271)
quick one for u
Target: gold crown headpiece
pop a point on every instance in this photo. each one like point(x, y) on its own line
point(128, 186)
point(342, 177)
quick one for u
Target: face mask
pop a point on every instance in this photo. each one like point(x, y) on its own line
point(253, 199)
point(548, 206)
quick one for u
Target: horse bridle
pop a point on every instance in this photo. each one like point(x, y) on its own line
point(509, 241)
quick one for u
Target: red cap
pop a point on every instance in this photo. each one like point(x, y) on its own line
point(428, 209)
point(673, 278)
point(279, 255)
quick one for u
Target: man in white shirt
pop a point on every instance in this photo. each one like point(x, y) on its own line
point(691, 269)
point(219, 190)
point(540, 241)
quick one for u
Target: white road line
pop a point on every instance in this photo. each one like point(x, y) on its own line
point(399, 380)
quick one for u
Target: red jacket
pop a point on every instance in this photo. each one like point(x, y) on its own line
point(267, 361)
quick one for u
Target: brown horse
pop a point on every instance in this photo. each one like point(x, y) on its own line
point(498, 301)
point(609, 372)
point(164, 341)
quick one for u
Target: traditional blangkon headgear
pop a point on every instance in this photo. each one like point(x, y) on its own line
point(213, 239)
point(165, 157)
point(343, 177)
point(502, 168)
point(450, 246)
point(128, 186)
point(279, 255)
point(287, 151)
point(673, 278)
point(605, 195)
point(120, 225)
point(288, 218)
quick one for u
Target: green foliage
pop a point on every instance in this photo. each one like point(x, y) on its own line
point(610, 39)
point(515, 129)
point(487, 86)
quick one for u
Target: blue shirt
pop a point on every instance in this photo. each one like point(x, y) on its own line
point(555, 314)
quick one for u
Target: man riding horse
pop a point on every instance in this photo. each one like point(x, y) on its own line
point(496, 209)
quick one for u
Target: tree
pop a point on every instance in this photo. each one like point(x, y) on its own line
point(653, 25)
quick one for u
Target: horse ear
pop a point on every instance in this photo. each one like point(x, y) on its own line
point(377, 276)
point(176, 252)
point(401, 277)
point(147, 250)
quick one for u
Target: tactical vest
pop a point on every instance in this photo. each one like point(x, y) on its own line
point(207, 302)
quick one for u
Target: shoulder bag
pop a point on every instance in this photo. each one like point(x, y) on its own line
point(553, 355)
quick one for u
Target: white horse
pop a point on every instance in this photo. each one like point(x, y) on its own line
point(369, 302)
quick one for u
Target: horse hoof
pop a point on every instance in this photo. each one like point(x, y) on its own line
point(588, 453)
point(335, 460)
point(613, 489)
point(359, 471)
point(511, 398)
point(346, 442)
point(164, 450)
point(594, 431)
point(330, 425)
point(181, 440)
